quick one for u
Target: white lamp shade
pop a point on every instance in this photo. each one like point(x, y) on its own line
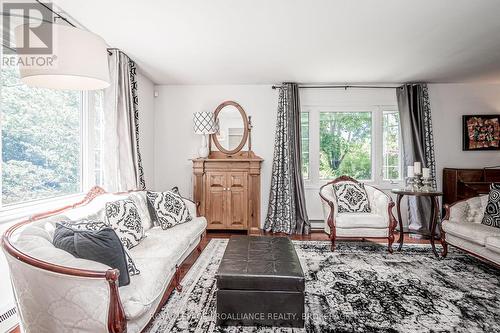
point(204, 123)
point(80, 61)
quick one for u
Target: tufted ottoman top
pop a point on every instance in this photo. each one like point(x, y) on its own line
point(260, 263)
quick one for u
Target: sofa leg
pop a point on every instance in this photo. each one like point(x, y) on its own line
point(390, 242)
point(333, 235)
point(444, 253)
point(177, 279)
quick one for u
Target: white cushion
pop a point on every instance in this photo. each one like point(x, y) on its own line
point(362, 232)
point(140, 200)
point(474, 248)
point(473, 232)
point(156, 257)
point(360, 220)
point(493, 243)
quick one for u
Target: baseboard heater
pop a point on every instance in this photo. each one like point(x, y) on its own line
point(8, 320)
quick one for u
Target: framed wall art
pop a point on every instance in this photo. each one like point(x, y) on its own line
point(481, 132)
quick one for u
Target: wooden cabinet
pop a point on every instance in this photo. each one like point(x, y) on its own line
point(228, 189)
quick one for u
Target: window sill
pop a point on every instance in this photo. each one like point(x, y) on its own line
point(19, 212)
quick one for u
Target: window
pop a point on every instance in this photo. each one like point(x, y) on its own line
point(304, 140)
point(391, 165)
point(361, 142)
point(345, 145)
point(43, 141)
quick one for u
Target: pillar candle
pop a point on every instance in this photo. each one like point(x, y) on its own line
point(426, 173)
point(410, 171)
point(417, 167)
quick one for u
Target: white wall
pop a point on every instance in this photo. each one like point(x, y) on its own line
point(448, 103)
point(176, 144)
point(146, 127)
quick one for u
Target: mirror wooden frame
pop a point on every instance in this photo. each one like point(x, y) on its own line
point(245, 128)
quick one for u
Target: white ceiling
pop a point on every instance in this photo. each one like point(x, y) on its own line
point(311, 41)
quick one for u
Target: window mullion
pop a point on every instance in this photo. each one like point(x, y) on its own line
point(314, 148)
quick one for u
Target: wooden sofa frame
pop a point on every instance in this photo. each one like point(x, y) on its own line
point(117, 322)
point(331, 216)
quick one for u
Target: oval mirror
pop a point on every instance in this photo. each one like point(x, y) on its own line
point(233, 128)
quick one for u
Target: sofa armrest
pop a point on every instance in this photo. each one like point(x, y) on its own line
point(381, 204)
point(467, 210)
point(456, 211)
point(329, 208)
point(61, 297)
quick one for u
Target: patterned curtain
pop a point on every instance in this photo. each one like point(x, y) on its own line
point(418, 145)
point(287, 210)
point(122, 167)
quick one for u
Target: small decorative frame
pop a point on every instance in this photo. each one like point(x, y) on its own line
point(481, 132)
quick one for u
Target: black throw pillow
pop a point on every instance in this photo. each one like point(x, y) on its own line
point(492, 212)
point(102, 246)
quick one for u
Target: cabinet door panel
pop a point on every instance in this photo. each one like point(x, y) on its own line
point(237, 199)
point(215, 200)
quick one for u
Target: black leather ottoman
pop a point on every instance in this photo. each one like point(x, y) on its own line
point(260, 282)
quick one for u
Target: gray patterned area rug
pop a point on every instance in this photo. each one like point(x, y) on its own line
point(358, 288)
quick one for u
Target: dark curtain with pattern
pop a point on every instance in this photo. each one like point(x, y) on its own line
point(418, 146)
point(287, 206)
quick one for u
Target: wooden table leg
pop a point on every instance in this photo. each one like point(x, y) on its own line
point(434, 217)
point(400, 221)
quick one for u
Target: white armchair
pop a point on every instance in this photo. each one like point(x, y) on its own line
point(378, 223)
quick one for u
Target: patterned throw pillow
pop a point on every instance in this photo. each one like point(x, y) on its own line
point(124, 218)
point(492, 211)
point(168, 209)
point(351, 198)
point(96, 225)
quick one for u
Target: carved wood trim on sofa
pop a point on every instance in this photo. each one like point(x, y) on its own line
point(331, 216)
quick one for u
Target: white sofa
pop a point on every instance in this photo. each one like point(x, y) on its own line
point(462, 228)
point(379, 223)
point(56, 292)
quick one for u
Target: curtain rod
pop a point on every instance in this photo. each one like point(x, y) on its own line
point(55, 13)
point(331, 86)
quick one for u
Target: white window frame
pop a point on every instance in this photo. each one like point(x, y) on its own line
point(314, 180)
point(22, 210)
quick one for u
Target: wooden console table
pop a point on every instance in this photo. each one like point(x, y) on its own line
point(433, 196)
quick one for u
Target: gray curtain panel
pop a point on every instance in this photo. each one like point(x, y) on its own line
point(122, 167)
point(287, 206)
point(418, 145)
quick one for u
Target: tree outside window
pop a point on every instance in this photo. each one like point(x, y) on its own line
point(345, 145)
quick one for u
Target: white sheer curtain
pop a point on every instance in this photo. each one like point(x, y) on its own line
point(122, 169)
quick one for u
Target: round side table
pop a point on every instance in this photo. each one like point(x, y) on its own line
point(433, 196)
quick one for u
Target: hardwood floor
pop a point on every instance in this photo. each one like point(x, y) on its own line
point(317, 235)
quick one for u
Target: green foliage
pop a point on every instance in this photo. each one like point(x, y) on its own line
point(40, 140)
point(345, 144)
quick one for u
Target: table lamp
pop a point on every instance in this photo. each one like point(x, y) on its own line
point(204, 123)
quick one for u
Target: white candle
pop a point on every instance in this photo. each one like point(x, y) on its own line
point(417, 167)
point(410, 171)
point(426, 173)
